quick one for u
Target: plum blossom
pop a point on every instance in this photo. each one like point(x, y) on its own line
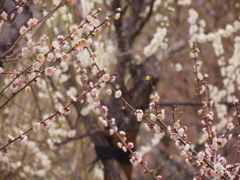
point(23, 30)
point(161, 116)
point(36, 126)
point(106, 77)
point(119, 145)
point(104, 122)
point(65, 57)
point(230, 126)
point(139, 114)
point(200, 156)
point(124, 149)
point(49, 71)
point(153, 117)
point(146, 127)
point(156, 128)
point(50, 56)
point(111, 132)
point(32, 22)
point(117, 16)
point(85, 43)
point(176, 125)
point(74, 30)
point(118, 94)
point(23, 138)
point(156, 97)
point(41, 58)
point(36, 66)
point(27, 89)
point(130, 145)
point(4, 15)
point(218, 167)
point(109, 92)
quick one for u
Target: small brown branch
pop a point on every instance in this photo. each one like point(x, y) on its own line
point(24, 109)
point(192, 103)
point(10, 60)
point(35, 97)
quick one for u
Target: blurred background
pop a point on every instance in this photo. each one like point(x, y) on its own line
point(152, 37)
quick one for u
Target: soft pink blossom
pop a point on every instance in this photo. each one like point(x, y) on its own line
point(32, 22)
point(106, 77)
point(23, 30)
point(36, 126)
point(36, 66)
point(65, 57)
point(117, 16)
point(49, 71)
point(230, 126)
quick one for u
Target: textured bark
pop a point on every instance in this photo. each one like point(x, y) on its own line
point(137, 92)
point(10, 35)
point(116, 163)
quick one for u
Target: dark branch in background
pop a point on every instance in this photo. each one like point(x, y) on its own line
point(111, 166)
point(1, 3)
point(23, 108)
point(142, 23)
point(10, 35)
point(192, 103)
point(98, 136)
point(133, 8)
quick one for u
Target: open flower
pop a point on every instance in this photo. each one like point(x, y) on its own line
point(32, 22)
point(117, 16)
point(200, 156)
point(50, 57)
point(109, 92)
point(106, 77)
point(23, 30)
point(41, 58)
point(74, 30)
point(161, 115)
point(28, 89)
point(4, 15)
point(36, 66)
point(85, 43)
point(49, 71)
point(36, 126)
point(230, 126)
point(118, 94)
point(65, 57)
point(153, 117)
point(156, 98)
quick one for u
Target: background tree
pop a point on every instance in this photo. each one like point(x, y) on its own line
point(151, 38)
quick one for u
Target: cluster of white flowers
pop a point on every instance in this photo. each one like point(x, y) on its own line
point(158, 41)
point(87, 7)
point(139, 114)
point(184, 2)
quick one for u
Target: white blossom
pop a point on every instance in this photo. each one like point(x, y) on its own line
point(36, 126)
point(118, 94)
